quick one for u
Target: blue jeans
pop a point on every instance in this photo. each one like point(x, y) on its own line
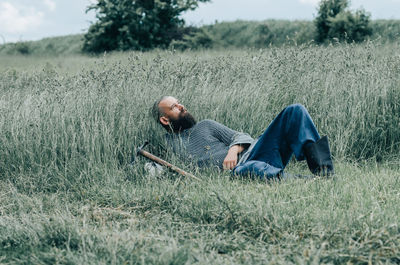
point(285, 136)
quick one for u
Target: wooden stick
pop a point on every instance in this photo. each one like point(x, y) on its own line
point(165, 163)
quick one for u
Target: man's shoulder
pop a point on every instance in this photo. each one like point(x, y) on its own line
point(207, 123)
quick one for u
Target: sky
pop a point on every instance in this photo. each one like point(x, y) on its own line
point(22, 20)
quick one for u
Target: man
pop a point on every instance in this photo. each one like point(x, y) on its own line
point(210, 143)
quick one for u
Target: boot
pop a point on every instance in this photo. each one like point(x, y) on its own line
point(319, 159)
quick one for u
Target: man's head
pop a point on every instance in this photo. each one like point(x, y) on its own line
point(172, 115)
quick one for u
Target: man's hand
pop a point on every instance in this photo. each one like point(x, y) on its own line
point(230, 160)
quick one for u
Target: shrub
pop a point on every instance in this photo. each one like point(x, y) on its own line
point(350, 27)
point(386, 30)
point(23, 48)
point(194, 38)
point(334, 21)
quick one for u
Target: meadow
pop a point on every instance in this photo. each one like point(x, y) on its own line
point(69, 127)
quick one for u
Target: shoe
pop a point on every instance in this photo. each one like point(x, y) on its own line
point(319, 159)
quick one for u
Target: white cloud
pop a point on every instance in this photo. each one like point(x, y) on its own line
point(50, 4)
point(310, 2)
point(16, 19)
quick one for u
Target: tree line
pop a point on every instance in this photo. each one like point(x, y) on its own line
point(148, 24)
point(331, 25)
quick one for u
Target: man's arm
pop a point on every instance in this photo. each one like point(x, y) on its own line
point(228, 136)
point(240, 141)
point(237, 142)
point(231, 158)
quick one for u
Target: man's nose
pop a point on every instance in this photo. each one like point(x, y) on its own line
point(181, 107)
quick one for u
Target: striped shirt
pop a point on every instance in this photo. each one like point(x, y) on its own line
point(207, 143)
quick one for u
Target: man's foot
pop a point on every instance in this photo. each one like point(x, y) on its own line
point(319, 159)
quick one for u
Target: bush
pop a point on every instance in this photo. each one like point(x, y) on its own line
point(386, 30)
point(334, 21)
point(23, 48)
point(348, 27)
point(194, 38)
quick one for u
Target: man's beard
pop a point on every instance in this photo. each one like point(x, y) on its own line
point(185, 121)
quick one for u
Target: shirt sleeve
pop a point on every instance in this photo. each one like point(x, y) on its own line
point(241, 138)
point(228, 136)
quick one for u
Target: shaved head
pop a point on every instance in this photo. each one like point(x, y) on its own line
point(172, 115)
point(156, 111)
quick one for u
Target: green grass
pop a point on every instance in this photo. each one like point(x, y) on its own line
point(69, 127)
point(352, 218)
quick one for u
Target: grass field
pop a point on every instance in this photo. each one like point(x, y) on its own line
point(69, 127)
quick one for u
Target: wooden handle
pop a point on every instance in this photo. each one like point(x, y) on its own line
point(165, 163)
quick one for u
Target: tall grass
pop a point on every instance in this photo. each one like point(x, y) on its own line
point(68, 135)
point(351, 92)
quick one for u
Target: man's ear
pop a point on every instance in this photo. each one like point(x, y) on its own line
point(164, 120)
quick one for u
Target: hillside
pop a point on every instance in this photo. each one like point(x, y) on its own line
point(63, 45)
point(238, 34)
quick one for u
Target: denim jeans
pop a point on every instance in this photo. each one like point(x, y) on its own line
point(285, 136)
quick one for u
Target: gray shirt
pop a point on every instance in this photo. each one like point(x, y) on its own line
point(207, 143)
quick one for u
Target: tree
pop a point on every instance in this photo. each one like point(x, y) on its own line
point(136, 24)
point(335, 21)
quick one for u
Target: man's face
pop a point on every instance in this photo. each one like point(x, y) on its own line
point(175, 115)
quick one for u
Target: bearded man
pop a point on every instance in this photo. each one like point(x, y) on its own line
point(211, 144)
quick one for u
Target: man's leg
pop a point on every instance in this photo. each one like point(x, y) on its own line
point(288, 133)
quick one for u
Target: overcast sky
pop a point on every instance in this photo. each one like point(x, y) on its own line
point(37, 19)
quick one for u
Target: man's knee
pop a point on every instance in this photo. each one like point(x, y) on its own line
point(297, 107)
